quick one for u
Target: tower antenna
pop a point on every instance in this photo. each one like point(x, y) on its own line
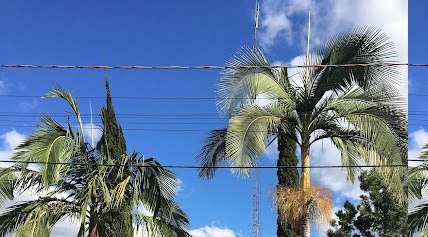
point(256, 194)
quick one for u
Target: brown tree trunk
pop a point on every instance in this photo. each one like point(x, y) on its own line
point(287, 177)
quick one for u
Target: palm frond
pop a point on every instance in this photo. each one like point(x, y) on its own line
point(58, 92)
point(248, 133)
point(363, 45)
point(418, 218)
point(7, 184)
point(43, 211)
point(240, 85)
point(50, 143)
point(417, 180)
point(212, 153)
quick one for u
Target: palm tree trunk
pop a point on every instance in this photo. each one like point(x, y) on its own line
point(287, 177)
point(306, 185)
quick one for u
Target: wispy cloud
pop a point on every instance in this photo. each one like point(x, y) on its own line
point(282, 22)
point(9, 141)
point(92, 129)
point(2, 87)
point(213, 231)
point(324, 153)
point(417, 140)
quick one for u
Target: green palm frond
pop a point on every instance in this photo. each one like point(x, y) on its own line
point(372, 120)
point(348, 157)
point(424, 153)
point(50, 143)
point(17, 179)
point(248, 133)
point(7, 184)
point(169, 223)
point(418, 181)
point(240, 85)
point(58, 92)
point(36, 216)
point(418, 218)
point(157, 185)
point(104, 198)
point(212, 153)
point(363, 45)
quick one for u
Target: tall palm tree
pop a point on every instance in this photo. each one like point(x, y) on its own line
point(111, 192)
point(418, 183)
point(357, 108)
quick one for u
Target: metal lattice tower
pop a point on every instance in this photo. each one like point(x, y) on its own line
point(256, 194)
point(256, 205)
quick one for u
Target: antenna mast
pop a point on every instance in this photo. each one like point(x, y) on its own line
point(256, 194)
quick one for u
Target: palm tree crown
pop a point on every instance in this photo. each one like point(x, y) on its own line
point(357, 108)
point(110, 192)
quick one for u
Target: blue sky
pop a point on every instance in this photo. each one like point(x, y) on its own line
point(174, 33)
point(418, 135)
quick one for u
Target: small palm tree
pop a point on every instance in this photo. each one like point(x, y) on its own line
point(418, 183)
point(112, 193)
point(357, 108)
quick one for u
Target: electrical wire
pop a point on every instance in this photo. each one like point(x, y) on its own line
point(217, 167)
point(202, 67)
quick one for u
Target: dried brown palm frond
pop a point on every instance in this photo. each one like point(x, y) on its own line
point(295, 205)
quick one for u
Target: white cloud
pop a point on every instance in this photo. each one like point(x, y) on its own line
point(9, 141)
point(12, 139)
point(276, 23)
point(324, 153)
point(417, 140)
point(179, 186)
point(65, 228)
point(282, 20)
point(28, 105)
point(297, 73)
point(88, 129)
point(212, 231)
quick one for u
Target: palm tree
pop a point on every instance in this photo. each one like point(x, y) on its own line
point(418, 183)
point(357, 108)
point(112, 193)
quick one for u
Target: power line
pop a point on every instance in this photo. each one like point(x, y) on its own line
point(123, 123)
point(202, 67)
point(132, 129)
point(217, 167)
point(190, 115)
point(35, 114)
point(124, 97)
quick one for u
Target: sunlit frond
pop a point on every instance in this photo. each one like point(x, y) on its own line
point(40, 214)
point(364, 45)
point(174, 223)
point(248, 133)
point(418, 180)
point(240, 85)
point(58, 92)
point(418, 218)
point(50, 143)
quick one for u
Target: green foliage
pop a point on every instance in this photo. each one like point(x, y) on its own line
point(378, 214)
point(418, 180)
point(104, 187)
